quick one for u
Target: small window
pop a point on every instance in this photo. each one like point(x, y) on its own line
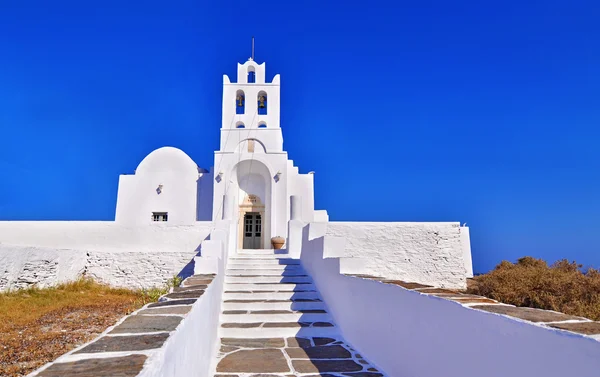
point(240, 125)
point(262, 125)
point(251, 75)
point(159, 216)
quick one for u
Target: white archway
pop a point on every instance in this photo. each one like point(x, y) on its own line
point(252, 179)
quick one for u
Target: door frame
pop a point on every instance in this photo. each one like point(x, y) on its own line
point(251, 203)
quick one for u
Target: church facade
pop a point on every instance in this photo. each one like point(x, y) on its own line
point(252, 180)
point(169, 208)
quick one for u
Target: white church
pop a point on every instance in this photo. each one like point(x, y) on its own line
point(272, 286)
point(251, 171)
point(167, 210)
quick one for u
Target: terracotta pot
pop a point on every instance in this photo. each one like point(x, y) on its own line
point(277, 242)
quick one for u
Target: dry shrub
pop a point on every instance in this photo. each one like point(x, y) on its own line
point(38, 325)
point(530, 282)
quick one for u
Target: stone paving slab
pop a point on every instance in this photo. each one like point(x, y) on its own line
point(528, 314)
point(188, 301)
point(127, 366)
point(254, 343)
point(198, 280)
point(302, 311)
point(319, 355)
point(185, 294)
point(166, 310)
point(586, 328)
point(438, 290)
point(190, 288)
point(316, 366)
point(407, 285)
point(473, 300)
point(319, 352)
point(298, 342)
point(325, 341)
point(144, 323)
point(266, 360)
point(125, 343)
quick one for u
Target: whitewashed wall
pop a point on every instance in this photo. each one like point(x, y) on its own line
point(46, 253)
point(427, 253)
point(406, 333)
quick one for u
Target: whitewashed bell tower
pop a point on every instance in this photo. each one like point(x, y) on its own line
point(254, 179)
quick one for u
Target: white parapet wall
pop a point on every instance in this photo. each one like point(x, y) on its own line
point(409, 333)
point(428, 253)
point(49, 252)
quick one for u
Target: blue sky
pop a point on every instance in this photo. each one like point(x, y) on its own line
point(466, 111)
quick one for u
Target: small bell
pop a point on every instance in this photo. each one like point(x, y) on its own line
point(261, 102)
point(240, 101)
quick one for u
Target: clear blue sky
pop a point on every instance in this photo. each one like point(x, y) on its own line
point(408, 111)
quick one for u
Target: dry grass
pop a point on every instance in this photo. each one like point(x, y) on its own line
point(530, 282)
point(38, 325)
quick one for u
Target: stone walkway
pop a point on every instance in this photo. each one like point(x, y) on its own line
point(275, 324)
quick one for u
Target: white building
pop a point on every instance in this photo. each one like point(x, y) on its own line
point(169, 207)
point(251, 169)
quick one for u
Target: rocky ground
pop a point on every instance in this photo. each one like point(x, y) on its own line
point(39, 325)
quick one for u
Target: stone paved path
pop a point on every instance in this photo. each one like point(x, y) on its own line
point(275, 324)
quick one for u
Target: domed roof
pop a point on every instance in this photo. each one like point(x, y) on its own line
point(167, 159)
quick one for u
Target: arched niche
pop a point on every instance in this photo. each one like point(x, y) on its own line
point(252, 179)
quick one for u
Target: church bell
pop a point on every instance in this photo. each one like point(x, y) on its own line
point(261, 102)
point(240, 101)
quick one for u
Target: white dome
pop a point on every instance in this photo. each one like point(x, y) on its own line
point(167, 159)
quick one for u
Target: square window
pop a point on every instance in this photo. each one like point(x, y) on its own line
point(159, 216)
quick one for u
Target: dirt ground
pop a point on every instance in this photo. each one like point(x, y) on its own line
point(39, 325)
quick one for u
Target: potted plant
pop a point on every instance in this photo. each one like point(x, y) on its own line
point(277, 242)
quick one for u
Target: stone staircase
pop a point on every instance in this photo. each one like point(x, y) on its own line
point(274, 321)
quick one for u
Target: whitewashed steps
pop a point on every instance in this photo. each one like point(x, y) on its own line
point(238, 295)
point(278, 332)
point(273, 279)
point(275, 305)
point(278, 316)
point(280, 287)
point(271, 267)
point(254, 252)
point(294, 272)
point(270, 295)
point(260, 261)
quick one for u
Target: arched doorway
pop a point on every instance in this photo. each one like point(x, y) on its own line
point(253, 201)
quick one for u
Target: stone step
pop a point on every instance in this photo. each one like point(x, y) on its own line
point(294, 272)
point(275, 330)
point(276, 316)
point(236, 295)
point(274, 305)
point(257, 252)
point(259, 261)
point(280, 287)
point(267, 279)
point(270, 267)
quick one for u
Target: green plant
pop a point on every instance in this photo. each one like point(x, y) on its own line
point(149, 295)
point(175, 281)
